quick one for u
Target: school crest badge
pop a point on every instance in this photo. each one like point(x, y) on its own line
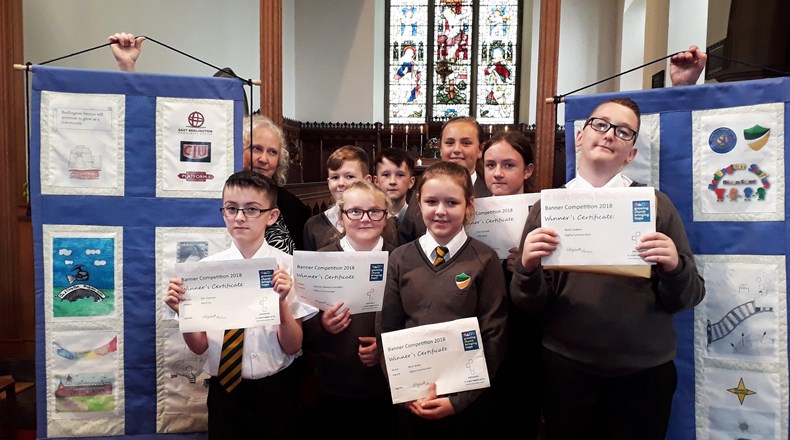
point(462, 280)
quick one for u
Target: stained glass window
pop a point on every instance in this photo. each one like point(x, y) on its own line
point(408, 61)
point(450, 58)
point(496, 65)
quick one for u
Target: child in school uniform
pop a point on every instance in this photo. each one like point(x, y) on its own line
point(507, 166)
point(345, 165)
point(608, 340)
point(395, 176)
point(263, 396)
point(462, 143)
point(352, 387)
point(422, 289)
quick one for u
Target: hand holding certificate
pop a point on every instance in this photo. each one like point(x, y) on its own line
point(499, 220)
point(228, 294)
point(449, 354)
point(600, 226)
point(356, 279)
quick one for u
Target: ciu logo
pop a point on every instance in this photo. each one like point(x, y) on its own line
point(196, 151)
point(196, 119)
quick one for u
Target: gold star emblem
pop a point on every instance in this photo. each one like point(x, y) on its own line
point(741, 391)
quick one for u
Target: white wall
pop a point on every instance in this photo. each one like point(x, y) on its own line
point(335, 49)
point(588, 47)
point(209, 30)
point(688, 24)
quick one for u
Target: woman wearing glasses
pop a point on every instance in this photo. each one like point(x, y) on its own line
point(609, 343)
point(352, 389)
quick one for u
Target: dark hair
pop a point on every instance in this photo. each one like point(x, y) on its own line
point(398, 157)
point(480, 134)
point(627, 103)
point(349, 152)
point(227, 72)
point(255, 181)
point(518, 142)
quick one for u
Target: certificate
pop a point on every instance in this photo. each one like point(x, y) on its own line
point(356, 279)
point(449, 354)
point(228, 294)
point(598, 226)
point(500, 220)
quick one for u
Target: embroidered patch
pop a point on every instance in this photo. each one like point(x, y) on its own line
point(756, 137)
point(722, 140)
point(727, 187)
point(462, 280)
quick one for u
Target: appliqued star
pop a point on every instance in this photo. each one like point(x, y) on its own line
point(741, 391)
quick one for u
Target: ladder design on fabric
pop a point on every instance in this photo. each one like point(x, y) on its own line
point(732, 319)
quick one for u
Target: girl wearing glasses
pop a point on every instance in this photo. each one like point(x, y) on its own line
point(351, 384)
point(442, 276)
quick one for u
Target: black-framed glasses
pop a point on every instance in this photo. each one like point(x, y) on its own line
point(602, 126)
point(374, 214)
point(232, 211)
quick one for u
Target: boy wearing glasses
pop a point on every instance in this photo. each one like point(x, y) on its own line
point(266, 399)
point(609, 343)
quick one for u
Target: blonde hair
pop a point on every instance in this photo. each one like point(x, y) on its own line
point(259, 121)
point(366, 185)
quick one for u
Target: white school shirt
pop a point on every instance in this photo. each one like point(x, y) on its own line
point(262, 355)
point(428, 245)
point(333, 215)
point(618, 181)
point(347, 247)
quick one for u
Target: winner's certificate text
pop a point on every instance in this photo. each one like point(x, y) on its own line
point(356, 279)
point(449, 354)
point(600, 226)
point(228, 294)
point(500, 220)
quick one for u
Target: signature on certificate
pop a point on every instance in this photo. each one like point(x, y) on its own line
point(578, 250)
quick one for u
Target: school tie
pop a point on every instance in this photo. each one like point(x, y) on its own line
point(229, 373)
point(441, 251)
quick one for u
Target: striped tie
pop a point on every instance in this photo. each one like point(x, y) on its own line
point(229, 373)
point(441, 251)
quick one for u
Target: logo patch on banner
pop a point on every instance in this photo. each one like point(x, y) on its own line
point(196, 119)
point(756, 137)
point(192, 151)
point(195, 176)
point(722, 140)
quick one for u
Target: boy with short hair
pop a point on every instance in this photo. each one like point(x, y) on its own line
point(265, 392)
point(608, 340)
point(345, 165)
point(395, 176)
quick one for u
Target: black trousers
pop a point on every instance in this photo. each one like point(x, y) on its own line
point(260, 408)
point(578, 404)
